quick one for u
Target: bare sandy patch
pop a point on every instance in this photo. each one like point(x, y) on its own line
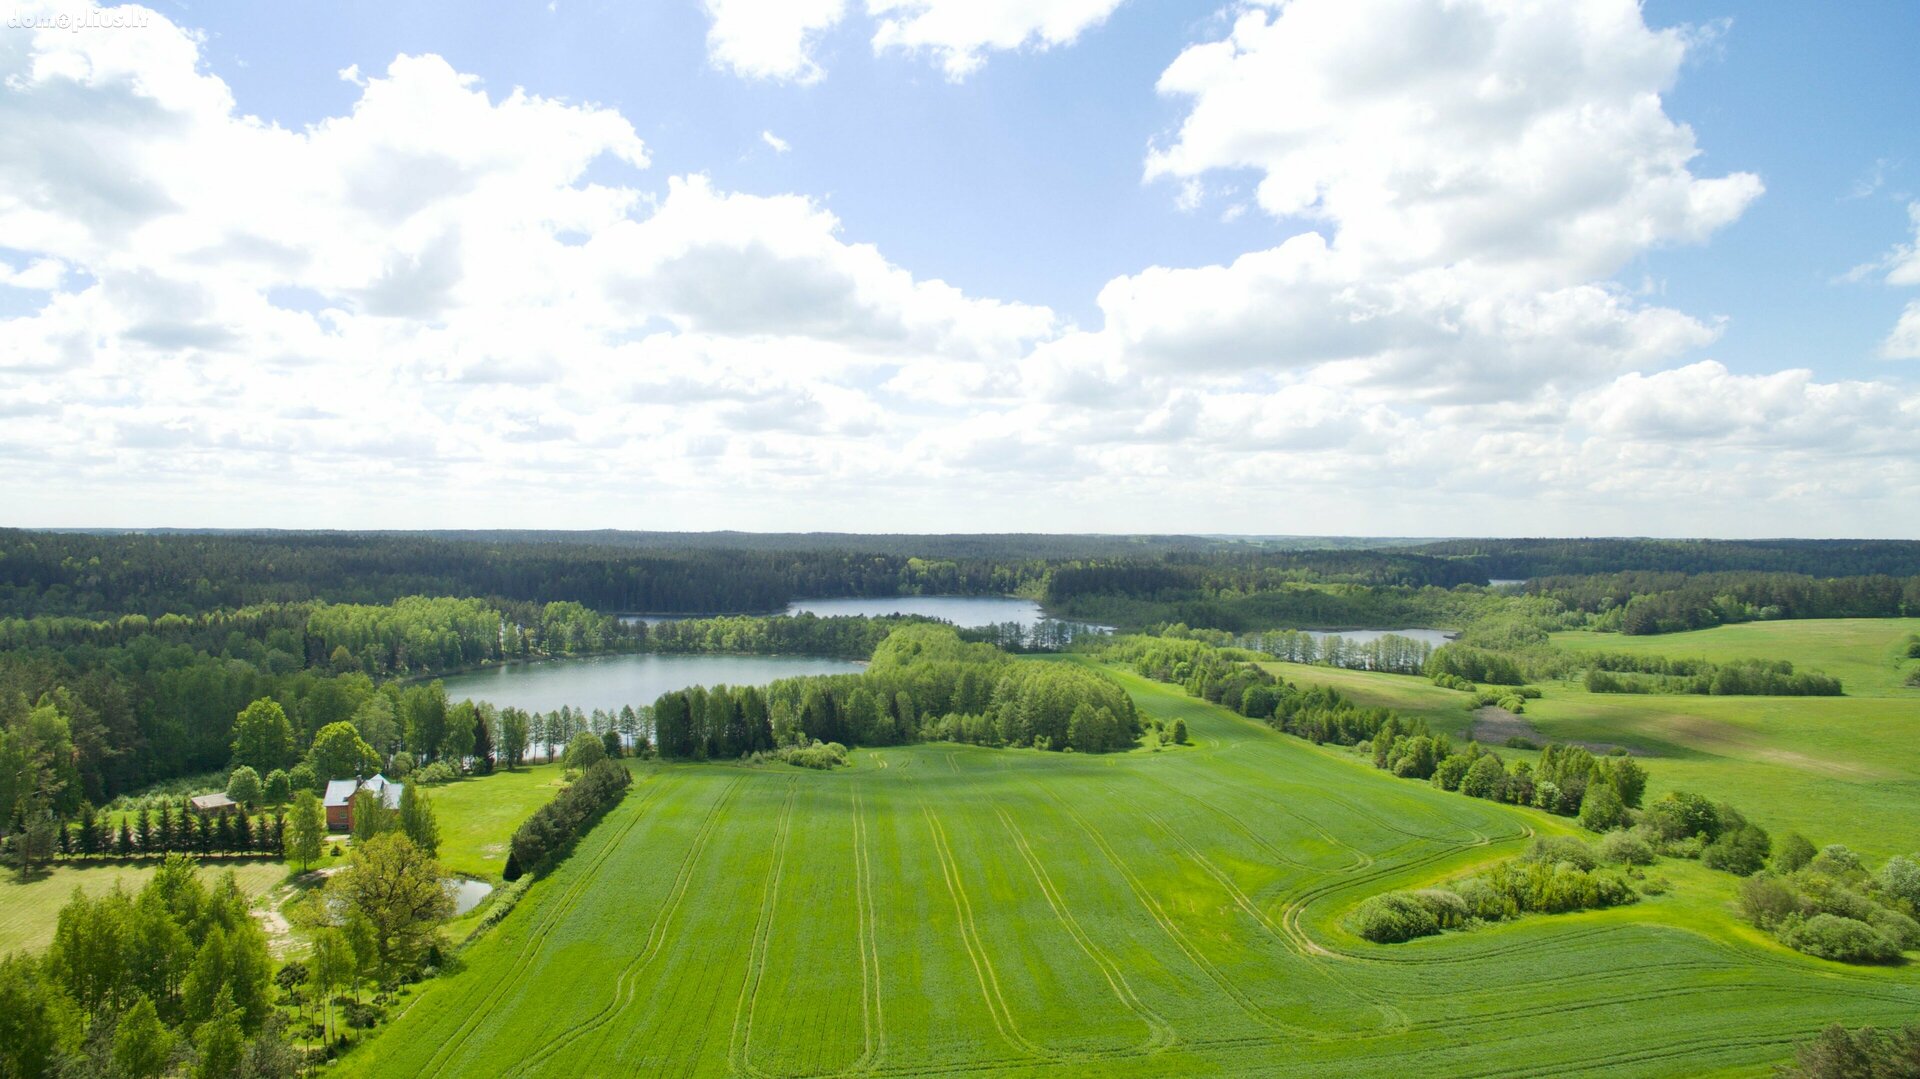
point(1494, 725)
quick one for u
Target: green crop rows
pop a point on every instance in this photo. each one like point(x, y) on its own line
point(951, 909)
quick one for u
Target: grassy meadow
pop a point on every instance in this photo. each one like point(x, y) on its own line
point(28, 912)
point(1837, 769)
point(477, 816)
point(941, 909)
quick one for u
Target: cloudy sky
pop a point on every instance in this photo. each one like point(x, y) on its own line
point(1406, 267)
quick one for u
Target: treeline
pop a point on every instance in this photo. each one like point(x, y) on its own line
point(108, 575)
point(923, 683)
point(553, 827)
point(1225, 607)
point(1623, 672)
point(1234, 678)
point(801, 634)
point(1521, 559)
point(145, 833)
point(1648, 602)
point(1867, 1053)
point(1465, 663)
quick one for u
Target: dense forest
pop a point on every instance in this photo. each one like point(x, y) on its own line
point(94, 575)
point(1237, 584)
point(1522, 559)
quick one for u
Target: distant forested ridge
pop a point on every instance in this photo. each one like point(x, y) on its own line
point(1520, 559)
point(93, 575)
point(1236, 584)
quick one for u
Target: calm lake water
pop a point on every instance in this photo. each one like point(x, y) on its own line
point(1434, 637)
point(611, 682)
point(964, 611)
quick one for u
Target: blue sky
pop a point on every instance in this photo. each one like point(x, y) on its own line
point(1673, 342)
point(1025, 180)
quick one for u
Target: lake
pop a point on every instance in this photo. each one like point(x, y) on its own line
point(1434, 637)
point(611, 682)
point(964, 611)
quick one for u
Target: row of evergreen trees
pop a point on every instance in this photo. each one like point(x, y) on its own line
point(150, 834)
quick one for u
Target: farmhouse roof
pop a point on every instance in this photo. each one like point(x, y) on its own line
point(341, 791)
point(211, 801)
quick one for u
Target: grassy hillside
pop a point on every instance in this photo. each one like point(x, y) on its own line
point(944, 908)
point(1866, 654)
point(1839, 769)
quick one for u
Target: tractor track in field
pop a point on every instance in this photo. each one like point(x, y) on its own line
point(656, 937)
point(873, 1020)
point(1160, 1033)
point(969, 938)
point(1288, 935)
point(1160, 918)
point(537, 934)
point(1257, 839)
point(740, 1042)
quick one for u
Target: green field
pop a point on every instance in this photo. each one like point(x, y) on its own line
point(945, 909)
point(477, 816)
point(1838, 769)
point(1866, 654)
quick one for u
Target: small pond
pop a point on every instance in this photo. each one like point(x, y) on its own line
point(467, 893)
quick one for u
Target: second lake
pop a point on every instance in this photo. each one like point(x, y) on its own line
point(611, 682)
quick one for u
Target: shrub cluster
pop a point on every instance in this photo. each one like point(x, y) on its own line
point(820, 755)
point(554, 826)
point(1554, 876)
point(1839, 1053)
point(1475, 665)
point(1569, 780)
point(1828, 905)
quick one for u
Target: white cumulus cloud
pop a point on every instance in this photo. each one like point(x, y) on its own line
point(1528, 134)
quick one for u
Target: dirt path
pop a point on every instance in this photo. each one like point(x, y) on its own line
point(1494, 725)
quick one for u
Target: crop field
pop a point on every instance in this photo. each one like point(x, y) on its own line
point(947, 909)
